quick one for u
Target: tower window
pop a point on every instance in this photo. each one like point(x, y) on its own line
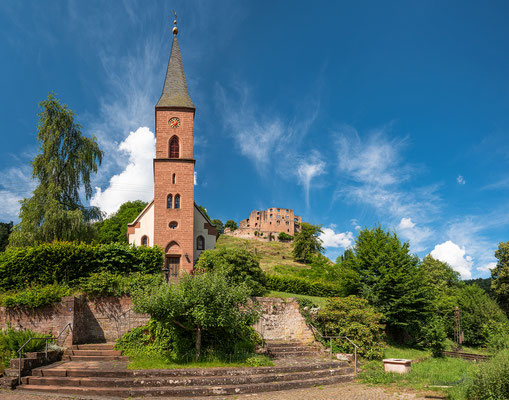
point(173, 179)
point(169, 201)
point(200, 243)
point(177, 201)
point(144, 241)
point(174, 147)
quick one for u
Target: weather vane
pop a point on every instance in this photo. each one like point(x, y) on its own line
point(175, 29)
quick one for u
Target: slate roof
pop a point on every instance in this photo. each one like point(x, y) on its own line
point(175, 92)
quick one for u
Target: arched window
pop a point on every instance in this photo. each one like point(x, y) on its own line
point(200, 243)
point(169, 201)
point(173, 179)
point(174, 147)
point(144, 241)
point(177, 201)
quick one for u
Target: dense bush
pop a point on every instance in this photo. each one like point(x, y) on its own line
point(239, 266)
point(491, 381)
point(205, 308)
point(35, 296)
point(434, 336)
point(11, 341)
point(63, 262)
point(297, 285)
point(355, 318)
point(284, 237)
point(106, 283)
point(152, 339)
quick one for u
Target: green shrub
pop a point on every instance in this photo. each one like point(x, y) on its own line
point(11, 341)
point(239, 266)
point(35, 296)
point(284, 237)
point(355, 318)
point(106, 283)
point(298, 285)
point(152, 339)
point(64, 262)
point(491, 381)
point(434, 335)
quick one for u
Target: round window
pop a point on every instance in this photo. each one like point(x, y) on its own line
point(173, 225)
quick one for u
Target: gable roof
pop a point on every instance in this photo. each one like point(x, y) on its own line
point(143, 212)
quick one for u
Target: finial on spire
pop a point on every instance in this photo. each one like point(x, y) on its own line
point(175, 29)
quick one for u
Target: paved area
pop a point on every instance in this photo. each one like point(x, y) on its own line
point(350, 391)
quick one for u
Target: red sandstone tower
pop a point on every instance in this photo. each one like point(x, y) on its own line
point(174, 167)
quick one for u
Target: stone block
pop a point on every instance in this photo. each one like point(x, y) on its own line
point(397, 365)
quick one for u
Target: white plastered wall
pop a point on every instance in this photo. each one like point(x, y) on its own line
point(146, 228)
point(199, 229)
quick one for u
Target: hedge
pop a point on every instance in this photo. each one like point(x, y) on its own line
point(297, 285)
point(64, 262)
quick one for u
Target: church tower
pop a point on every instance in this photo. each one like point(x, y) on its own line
point(174, 168)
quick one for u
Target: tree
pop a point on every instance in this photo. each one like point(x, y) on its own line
point(231, 224)
point(203, 304)
point(5, 231)
point(238, 265)
point(114, 228)
point(307, 242)
point(63, 167)
point(382, 270)
point(500, 276)
point(219, 225)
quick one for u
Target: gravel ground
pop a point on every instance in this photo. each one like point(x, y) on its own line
point(350, 391)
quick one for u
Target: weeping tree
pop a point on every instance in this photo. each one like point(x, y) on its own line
point(62, 168)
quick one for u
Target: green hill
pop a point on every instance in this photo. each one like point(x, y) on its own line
point(270, 254)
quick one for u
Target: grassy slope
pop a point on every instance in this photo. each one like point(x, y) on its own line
point(270, 254)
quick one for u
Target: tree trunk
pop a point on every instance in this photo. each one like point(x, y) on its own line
point(198, 342)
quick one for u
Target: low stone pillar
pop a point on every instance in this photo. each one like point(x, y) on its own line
point(397, 365)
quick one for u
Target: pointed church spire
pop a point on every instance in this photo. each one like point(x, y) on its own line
point(175, 92)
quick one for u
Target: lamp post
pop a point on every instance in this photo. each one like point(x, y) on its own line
point(166, 271)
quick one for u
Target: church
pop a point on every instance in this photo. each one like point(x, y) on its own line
point(172, 220)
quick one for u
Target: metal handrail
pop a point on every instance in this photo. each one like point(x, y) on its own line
point(45, 350)
point(315, 330)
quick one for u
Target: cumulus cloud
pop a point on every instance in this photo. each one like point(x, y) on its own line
point(333, 239)
point(488, 267)
point(135, 182)
point(406, 223)
point(461, 180)
point(455, 256)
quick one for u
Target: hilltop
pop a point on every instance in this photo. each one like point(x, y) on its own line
point(270, 254)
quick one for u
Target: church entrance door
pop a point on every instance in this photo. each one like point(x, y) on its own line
point(173, 265)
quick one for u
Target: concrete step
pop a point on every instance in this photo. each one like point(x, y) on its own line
point(60, 370)
point(94, 358)
point(184, 380)
point(186, 391)
point(92, 353)
point(94, 346)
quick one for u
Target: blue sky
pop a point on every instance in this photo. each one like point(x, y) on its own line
point(351, 113)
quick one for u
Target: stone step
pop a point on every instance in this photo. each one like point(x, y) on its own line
point(60, 370)
point(92, 353)
point(278, 343)
point(298, 353)
point(186, 391)
point(94, 346)
point(184, 380)
point(94, 358)
point(293, 348)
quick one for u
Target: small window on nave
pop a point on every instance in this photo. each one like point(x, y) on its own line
point(200, 243)
point(144, 241)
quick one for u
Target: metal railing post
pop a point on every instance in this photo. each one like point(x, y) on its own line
point(330, 340)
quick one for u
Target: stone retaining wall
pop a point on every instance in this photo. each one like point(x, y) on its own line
point(106, 319)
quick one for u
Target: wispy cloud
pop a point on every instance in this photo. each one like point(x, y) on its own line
point(461, 180)
point(15, 185)
point(416, 235)
point(309, 169)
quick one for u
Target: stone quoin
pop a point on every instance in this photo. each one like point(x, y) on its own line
point(172, 220)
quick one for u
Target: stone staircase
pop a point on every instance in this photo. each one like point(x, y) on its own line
point(98, 370)
point(284, 349)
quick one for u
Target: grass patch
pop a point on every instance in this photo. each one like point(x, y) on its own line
point(450, 346)
point(428, 374)
point(269, 254)
point(159, 362)
point(319, 301)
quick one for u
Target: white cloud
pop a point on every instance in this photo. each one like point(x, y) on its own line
point(15, 184)
point(355, 224)
point(195, 178)
point(461, 180)
point(488, 267)
point(136, 181)
point(406, 223)
point(455, 256)
point(333, 239)
point(309, 169)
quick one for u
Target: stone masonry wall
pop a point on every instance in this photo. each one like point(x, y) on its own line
point(282, 320)
point(106, 319)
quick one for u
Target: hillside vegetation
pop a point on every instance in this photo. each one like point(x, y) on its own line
point(270, 254)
